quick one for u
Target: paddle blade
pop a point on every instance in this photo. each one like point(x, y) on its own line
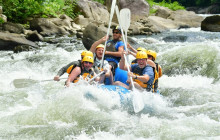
point(138, 103)
point(125, 17)
point(22, 83)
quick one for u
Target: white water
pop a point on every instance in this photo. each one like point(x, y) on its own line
point(188, 109)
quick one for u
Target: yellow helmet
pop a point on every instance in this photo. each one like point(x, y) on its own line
point(152, 53)
point(117, 28)
point(87, 53)
point(141, 49)
point(88, 59)
point(141, 55)
point(100, 46)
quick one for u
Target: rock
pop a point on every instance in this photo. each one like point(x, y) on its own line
point(211, 23)
point(13, 27)
point(46, 27)
point(92, 33)
point(93, 10)
point(34, 36)
point(21, 48)
point(8, 41)
point(163, 12)
point(186, 18)
point(178, 38)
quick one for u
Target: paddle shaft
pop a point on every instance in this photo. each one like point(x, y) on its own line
point(109, 25)
point(126, 61)
point(96, 76)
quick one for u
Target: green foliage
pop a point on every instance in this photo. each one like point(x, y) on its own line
point(100, 1)
point(1, 20)
point(20, 10)
point(171, 5)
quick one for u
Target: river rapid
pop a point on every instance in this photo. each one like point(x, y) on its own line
point(188, 107)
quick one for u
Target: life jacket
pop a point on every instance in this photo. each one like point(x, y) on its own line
point(97, 66)
point(111, 46)
point(156, 76)
point(70, 69)
point(139, 72)
point(85, 74)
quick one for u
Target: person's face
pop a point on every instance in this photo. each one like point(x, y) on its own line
point(142, 62)
point(87, 65)
point(99, 52)
point(116, 34)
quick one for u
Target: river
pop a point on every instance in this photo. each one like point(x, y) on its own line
point(189, 107)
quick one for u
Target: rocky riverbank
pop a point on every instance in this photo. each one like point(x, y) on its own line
point(93, 22)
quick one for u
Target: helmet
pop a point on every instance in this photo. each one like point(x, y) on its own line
point(152, 53)
point(117, 28)
point(141, 55)
point(88, 59)
point(100, 46)
point(141, 49)
point(87, 53)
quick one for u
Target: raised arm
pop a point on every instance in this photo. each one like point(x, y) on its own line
point(96, 43)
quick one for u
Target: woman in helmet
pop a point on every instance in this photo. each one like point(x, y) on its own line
point(85, 70)
point(68, 68)
point(152, 55)
point(142, 73)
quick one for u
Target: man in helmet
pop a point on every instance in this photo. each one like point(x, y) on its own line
point(98, 52)
point(141, 73)
point(85, 70)
point(152, 55)
point(114, 48)
point(68, 68)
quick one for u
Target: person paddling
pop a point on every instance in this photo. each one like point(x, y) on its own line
point(85, 70)
point(142, 73)
point(68, 68)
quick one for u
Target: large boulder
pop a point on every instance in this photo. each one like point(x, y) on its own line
point(211, 23)
point(92, 33)
point(46, 27)
point(92, 10)
point(8, 41)
point(139, 8)
point(186, 18)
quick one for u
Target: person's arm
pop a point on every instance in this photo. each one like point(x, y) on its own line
point(122, 64)
point(116, 54)
point(96, 43)
point(142, 78)
point(132, 53)
point(151, 63)
point(106, 68)
point(160, 71)
point(63, 70)
point(131, 48)
point(76, 71)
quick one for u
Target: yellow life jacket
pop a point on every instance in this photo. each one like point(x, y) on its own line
point(70, 69)
point(158, 73)
point(85, 74)
point(139, 72)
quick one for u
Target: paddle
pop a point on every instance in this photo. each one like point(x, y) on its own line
point(125, 16)
point(96, 76)
point(109, 25)
point(21, 83)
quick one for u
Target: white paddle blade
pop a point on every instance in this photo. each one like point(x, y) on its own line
point(22, 83)
point(125, 18)
point(138, 103)
point(112, 9)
